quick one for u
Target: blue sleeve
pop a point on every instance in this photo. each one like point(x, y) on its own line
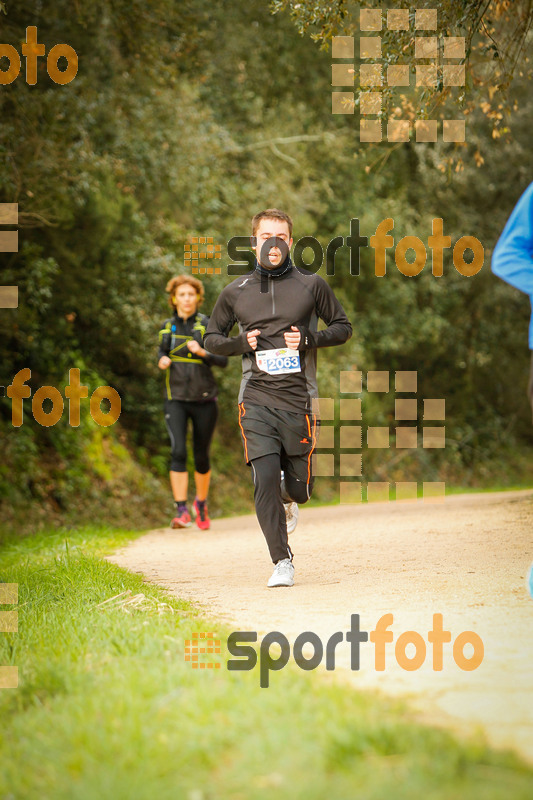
point(512, 259)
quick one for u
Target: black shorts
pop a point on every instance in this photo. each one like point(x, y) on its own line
point(273, 430)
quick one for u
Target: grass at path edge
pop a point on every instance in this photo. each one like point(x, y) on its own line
point(107, 706)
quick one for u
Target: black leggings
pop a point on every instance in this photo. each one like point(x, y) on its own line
point(204, 418)
point(269, 496)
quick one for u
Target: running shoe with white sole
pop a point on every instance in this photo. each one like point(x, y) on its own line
point(283, 574)
point(291, 515)
point(181, 520)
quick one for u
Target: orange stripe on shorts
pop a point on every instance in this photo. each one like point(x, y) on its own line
point(313, 445)
point(242, 411)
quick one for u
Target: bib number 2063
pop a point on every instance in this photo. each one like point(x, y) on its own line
point(278, 362)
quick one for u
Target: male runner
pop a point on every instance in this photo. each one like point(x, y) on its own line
point(512, 259)
point(277, 308)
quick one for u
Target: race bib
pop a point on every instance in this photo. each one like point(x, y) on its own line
point(279, 361)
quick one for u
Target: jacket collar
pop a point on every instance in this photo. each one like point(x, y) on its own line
point(283, 269)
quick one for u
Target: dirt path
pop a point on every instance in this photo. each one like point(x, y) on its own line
point(466, 558)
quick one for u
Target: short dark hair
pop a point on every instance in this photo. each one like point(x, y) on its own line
point(271, 213)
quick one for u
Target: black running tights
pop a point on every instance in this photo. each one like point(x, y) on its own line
point(204, 418)
point(268, 499)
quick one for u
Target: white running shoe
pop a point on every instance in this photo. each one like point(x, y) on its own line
point(291, 515)
point(283, 574)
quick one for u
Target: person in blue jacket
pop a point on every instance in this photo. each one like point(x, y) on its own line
point(512, 259)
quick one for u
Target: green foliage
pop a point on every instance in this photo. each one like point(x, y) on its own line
point(496, 35)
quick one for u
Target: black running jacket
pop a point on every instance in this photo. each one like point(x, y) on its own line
point(297, 297)
point(189, 377)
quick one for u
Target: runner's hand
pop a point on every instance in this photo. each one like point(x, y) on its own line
point(164, 362)
point(292, 338)
point(195, 348)
point(252, 338)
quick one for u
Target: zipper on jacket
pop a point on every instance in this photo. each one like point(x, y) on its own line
point(273, 299)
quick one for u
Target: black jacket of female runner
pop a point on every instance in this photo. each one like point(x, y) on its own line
point(189, 377)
